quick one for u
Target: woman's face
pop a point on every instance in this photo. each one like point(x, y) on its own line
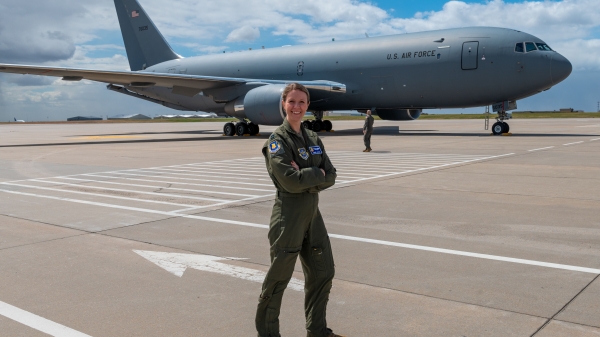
point(295, 105)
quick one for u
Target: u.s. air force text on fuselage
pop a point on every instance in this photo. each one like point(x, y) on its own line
point(416, 54)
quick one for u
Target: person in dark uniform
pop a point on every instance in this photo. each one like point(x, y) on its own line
point(367, 131)
point(300, 168)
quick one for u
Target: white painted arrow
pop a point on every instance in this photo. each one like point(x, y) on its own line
point(176, 264)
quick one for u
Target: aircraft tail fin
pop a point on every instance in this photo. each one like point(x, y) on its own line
point(15, 119)
point(144, 44)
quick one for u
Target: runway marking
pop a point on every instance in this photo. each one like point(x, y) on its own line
point(336, 236)
point(572, 143)
point(158, 187)
point(587, 126)
point(37, 322)
point(48, 181)
point(180, 185)
point(595, 139)
point(214, 171)
point(99, 195)
point(154, 171)
point(540, 149)
point(177, 263)
point(193, 179)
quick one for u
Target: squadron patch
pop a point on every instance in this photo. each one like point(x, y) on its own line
point(275, 147)
point(303, 153)
point(314, 150)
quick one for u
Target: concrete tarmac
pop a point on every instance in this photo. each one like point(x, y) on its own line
point(161, 230)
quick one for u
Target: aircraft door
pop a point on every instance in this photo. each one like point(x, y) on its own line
point(470, 55)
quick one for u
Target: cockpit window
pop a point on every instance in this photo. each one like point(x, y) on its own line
point(519, 48)
point(530, 46)
point(543, 47)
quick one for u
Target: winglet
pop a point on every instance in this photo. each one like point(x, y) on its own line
point(144, 44)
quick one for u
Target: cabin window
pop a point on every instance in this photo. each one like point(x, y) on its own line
point(543, 47)
point(530, 46)
point(519, 48)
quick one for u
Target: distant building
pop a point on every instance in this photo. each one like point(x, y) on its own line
point(345, 113)
point(203, 115)
point(131, 117)
point(566, 110)
point(83, 118)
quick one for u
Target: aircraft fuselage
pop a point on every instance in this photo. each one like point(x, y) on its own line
point(454, 68)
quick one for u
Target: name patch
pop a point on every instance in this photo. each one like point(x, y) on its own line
point(315, 150)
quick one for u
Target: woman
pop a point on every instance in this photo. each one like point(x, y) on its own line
point(300, 169)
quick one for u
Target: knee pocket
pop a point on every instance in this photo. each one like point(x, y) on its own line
point(282, 266)
point(323, 260)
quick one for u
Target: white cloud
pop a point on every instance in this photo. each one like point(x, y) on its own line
point(243, 34)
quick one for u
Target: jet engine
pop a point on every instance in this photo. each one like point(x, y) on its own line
point(399, 114)
point(260, 105)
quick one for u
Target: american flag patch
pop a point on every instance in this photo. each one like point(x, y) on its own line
point(135, 14)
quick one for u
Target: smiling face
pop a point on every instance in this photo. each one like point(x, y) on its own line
point(295, 106)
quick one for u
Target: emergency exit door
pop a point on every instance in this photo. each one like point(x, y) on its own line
point(470, 55)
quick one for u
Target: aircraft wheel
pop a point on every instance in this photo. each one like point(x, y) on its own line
point(317, 125)
point(229, 129)
point(498, 128)
point(307, 125)
point(241, 128)
point(327, 125)
point(253, 129)
point(505, 127)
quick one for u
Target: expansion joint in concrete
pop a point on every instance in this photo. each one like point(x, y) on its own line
point(564, 307)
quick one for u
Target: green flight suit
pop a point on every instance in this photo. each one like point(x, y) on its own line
point(297, 228)
point(368, 131)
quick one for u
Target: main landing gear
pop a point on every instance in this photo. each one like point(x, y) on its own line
point(318, 124)
point(501, 126)
point(240, 128)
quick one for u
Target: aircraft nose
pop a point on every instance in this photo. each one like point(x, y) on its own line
point(561, 68)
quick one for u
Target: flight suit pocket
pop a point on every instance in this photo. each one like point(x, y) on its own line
point(319, 259)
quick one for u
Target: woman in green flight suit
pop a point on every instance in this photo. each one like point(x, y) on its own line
point(300, 169)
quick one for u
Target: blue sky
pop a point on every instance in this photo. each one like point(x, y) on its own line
point(85, 34)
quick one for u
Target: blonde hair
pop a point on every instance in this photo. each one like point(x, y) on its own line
point(294, 86)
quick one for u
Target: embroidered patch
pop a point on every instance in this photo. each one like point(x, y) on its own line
point(303, 153)
point(314, 150)
point(275, 147)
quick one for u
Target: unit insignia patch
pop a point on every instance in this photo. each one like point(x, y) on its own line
point(314, 150)
point(303, 153)
point(275, 147)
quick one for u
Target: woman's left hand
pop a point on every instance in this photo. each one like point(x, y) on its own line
point(295, 166)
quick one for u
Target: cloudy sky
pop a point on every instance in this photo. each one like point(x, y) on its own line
point(85, 34)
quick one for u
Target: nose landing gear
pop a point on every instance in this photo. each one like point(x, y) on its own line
point(501, 126)
point(240, 128)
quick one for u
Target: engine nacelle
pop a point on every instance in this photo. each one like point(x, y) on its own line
point(399, 114)
point(260, 105)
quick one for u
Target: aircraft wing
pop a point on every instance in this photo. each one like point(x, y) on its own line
point(187, 85)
